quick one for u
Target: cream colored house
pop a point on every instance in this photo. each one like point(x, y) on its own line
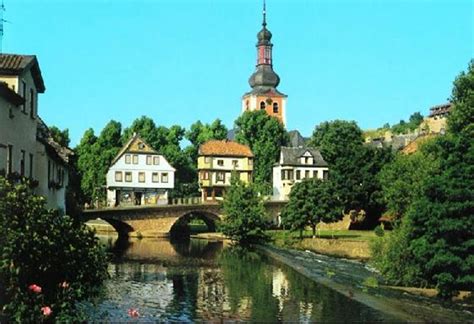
point(294, 165)
point(26, 146)
point(217, 161)
point(139, 176)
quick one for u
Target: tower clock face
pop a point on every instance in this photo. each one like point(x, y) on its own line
point(269, 101)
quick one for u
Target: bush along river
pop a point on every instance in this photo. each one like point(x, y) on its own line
point(199, 280)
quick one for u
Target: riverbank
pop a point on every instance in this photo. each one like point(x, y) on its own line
point(349, 244)
point(358, 281)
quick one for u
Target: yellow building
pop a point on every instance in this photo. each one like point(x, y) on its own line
point(217, 161)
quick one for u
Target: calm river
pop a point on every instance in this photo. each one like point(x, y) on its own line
point(199, 280)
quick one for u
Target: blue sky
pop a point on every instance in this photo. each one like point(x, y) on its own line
point(178, 61)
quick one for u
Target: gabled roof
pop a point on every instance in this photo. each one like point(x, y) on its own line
point(292, 155)
point(10, 95)
point(225, 148)
point(14, 64)
point(132, 146)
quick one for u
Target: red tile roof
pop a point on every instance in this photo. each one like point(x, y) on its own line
point(225, 148)
point(14, 64)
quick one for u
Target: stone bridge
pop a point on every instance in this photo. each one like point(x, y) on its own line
point(158, 221)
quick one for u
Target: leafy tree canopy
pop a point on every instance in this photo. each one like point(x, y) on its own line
point(311, 201)
point(353, 167)
point(264, 135)
point(244, 213)
point(402, 180)
point(60, 136)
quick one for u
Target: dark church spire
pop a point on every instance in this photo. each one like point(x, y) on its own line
point(264, 77)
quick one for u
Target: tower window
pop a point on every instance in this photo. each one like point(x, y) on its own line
point(262, 105)
point(246, 105)
point(275, 107)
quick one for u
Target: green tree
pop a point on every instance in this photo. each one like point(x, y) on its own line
point(402, 180)
point(57, 254)
point(264, 135)
point(461, 118)
point(437, 232)
point(353, 167)
point(244, 213)
point(200, 133)
point(60, 136)
point(95, 155)
point(336, 139)
point(86, 157)
point(311, 201)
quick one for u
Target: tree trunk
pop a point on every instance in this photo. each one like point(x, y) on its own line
point(301, 234)
point(314, 230)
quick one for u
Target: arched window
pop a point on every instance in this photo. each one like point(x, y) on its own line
point(275, 107)
point(262, 105)
point(246, 105)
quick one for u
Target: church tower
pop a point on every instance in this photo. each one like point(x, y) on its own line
point(264, 81)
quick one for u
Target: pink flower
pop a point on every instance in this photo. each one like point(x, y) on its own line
point(46, 310)
point(64, 284)
point(132, 312)
point(35, 288)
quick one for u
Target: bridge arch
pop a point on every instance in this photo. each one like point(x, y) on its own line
point(210, 218)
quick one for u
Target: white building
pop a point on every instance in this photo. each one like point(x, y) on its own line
point(139, 176)
point(294, 165)
point(26, 146)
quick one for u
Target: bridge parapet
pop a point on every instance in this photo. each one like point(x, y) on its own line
point(157, 220)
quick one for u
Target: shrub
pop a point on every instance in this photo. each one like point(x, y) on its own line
point(379, 231)
point(244, 220)
point(48, 261)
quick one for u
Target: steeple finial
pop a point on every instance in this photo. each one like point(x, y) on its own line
point(264, 24)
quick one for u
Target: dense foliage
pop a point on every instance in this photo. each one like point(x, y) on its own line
point(60, 136)
point(311, 201)
point(95, 154)
point(244, 213)
point(48, 261)
point(264, 135)
point(434, 244)
point(402, 181)
point(353, 166)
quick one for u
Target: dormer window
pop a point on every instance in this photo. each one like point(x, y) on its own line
point(275, 107)
point(262, 105)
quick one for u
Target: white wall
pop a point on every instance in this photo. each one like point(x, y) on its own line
point(56, 198)
point(19, 131)
point(162, 167)
point(282, 188)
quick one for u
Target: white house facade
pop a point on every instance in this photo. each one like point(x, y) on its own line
point(26, 146)
point(294, 165)
point(139, 176)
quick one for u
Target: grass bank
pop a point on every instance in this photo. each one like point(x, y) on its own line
point(338, 243)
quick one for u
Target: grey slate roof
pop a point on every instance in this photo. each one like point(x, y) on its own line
point(292, 155)
point(15, 64)
point(296, 140)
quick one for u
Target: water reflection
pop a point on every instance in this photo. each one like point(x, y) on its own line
point(203, 280)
